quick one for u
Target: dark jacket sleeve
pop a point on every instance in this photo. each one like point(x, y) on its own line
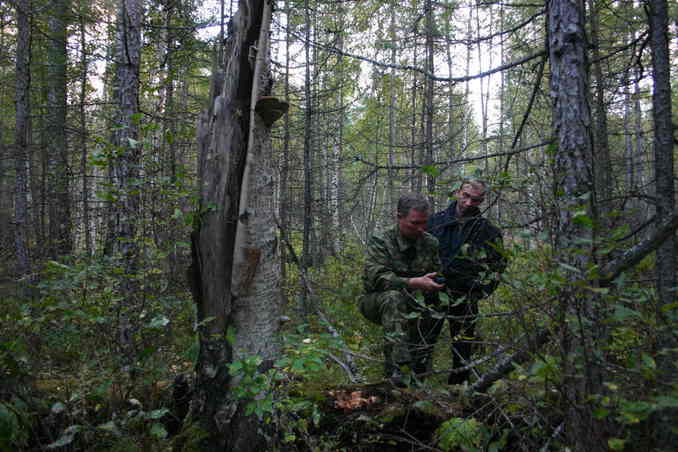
point(472, 258)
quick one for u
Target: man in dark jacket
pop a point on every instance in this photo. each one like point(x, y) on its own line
point(472, 261)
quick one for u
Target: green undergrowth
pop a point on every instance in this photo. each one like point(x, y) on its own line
point(70, 384)
point(67, 385)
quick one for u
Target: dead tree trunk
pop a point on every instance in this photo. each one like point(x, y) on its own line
point(235, 274)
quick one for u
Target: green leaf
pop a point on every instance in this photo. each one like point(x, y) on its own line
point(157, 414)
point(616, 443)
point(66, 438)
point(205, 321)
point(444, 298)
point(601, 413)
point(669, 307)
point(9, 424)
point(622, 313)
point(464, 433)
point(648, 361)
point(111, 427)
point(569, 267)
point(666, 402)
point(58, 408)
point(582, 220)
point(230, 335)
point(158, 431)
point(431, 170)
point(423, 405)
point(159, 322)
point(235, 368)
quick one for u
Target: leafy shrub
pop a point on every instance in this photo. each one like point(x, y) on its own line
point(468, 435)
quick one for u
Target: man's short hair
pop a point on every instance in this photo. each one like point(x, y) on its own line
point(478, 184)
point(410, 201)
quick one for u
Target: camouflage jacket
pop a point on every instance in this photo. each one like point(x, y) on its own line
point(392, 259)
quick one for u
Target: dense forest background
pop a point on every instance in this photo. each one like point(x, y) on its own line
point(180, 272)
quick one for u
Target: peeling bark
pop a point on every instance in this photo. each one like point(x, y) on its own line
point(235, 269)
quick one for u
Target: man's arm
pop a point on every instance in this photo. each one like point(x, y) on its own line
point(381, 274)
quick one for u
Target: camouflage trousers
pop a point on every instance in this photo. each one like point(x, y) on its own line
point(410, 330)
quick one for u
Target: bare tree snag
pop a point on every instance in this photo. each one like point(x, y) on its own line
point(234, 273)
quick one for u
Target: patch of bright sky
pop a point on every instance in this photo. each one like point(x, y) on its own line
point(482, 57)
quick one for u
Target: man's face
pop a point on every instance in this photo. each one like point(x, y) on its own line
point(468, 196)
point(413, 225)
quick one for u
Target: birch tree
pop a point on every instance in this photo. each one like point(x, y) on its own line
point(235, 269)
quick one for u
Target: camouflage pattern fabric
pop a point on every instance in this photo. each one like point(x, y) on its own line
point(391, 261)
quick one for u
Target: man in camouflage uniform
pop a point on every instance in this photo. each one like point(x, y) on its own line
point(402, 260)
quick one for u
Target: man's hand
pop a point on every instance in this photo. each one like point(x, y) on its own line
point(425, 283)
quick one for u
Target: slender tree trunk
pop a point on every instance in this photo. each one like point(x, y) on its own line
point(467, 118)
point(602, 166)
point(428, 99)
point(658, 14)
point(21, 138)
point(393, 99)
point(306, 257)
point(639, 133)
point(574, 178)
point(125, 165)
point(82, 116)
point(498, 207)
point(284, 204)
point(629, 160)
point(168, 137)
point(416, 179)
point(484, 81)
point(108, 221)
point(60, 224)
point(6, 202)
point(335, 177)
